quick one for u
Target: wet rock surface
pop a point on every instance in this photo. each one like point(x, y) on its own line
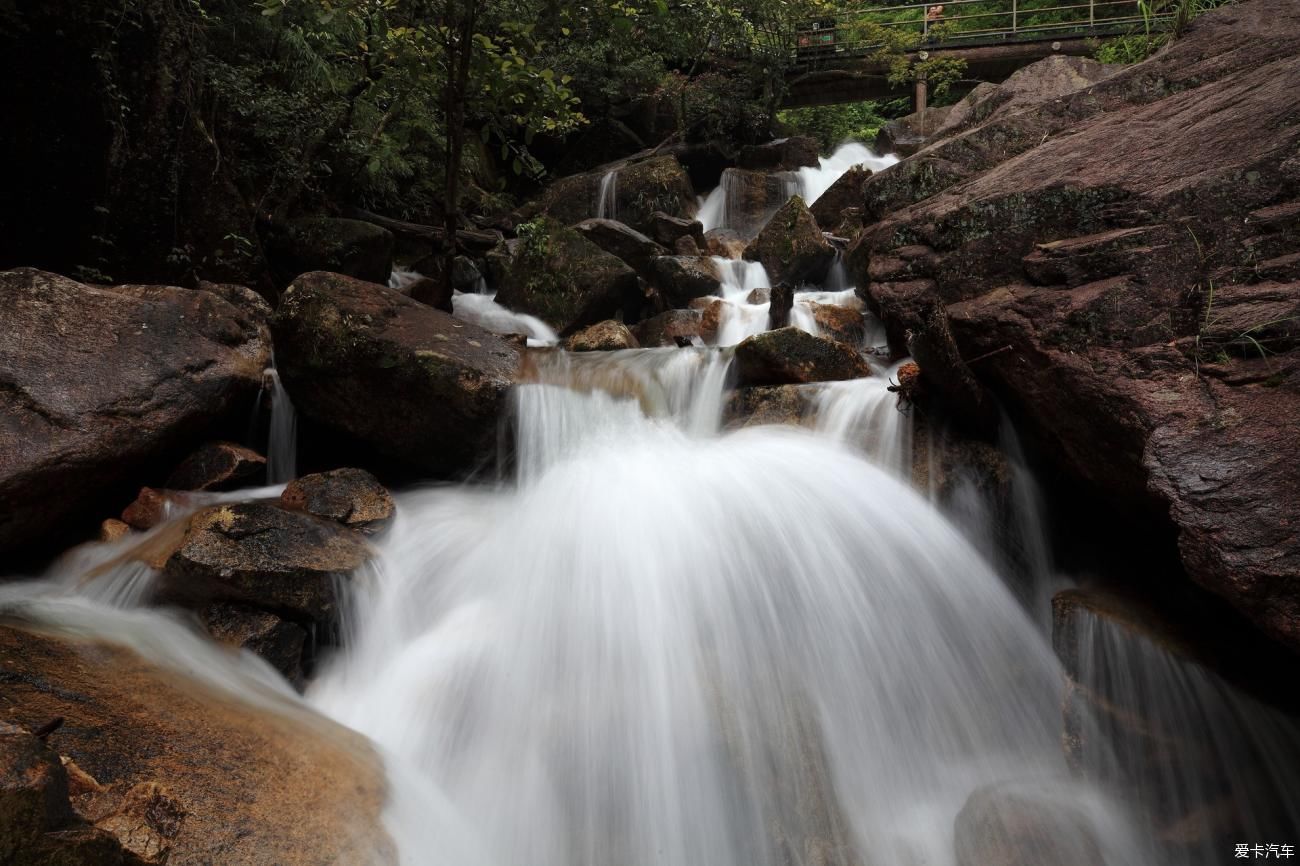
point(96, 383)
point(1025, 825)
point(681, 279)
point(163, 769)
point(266, 557)
point(791, 246)
point(621, 240)
point(789, 356)
point(641, 188)
point(218, 466)
point(670, 328)
point(1086, 304)
point(785, 154)
point(607, 336)
point(344, 344)
point(567, 280)
point(352, 497)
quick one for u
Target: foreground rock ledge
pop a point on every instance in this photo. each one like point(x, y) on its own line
point(243, 786)
point(96, 381)
point(418, 384)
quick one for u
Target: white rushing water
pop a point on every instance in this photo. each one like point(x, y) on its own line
point(718, 208)
point(665, 646)
point(481, 308)
point(656, 642)
point(607, 197)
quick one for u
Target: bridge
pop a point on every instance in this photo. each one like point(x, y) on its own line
point(846, 57)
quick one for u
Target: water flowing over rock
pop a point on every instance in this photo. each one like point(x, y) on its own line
point(170, 769)
point(643, 187)
point(1027, 825)
point(791, 356)
point(352, 247)
point(98, 382)
point(791, 246)
point(344, 344)
point(567, 281)
point(1126, 373)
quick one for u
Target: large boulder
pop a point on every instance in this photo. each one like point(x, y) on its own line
point(789, 356)
point(839, 208)
point(1157, 360)
point(681, 279)
point(670, 328)
point(159, 767)
point(566, 280)
point(1050, 78)
point(266, 557)
point(623, 241)
point(791, 246)
point(97, 383)
point(421, 386)
point(640, 188)
point(342, 246)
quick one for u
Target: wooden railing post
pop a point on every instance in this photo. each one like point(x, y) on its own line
point(1014, 11)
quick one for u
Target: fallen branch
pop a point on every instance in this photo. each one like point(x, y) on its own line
point(479, 240)
point(991, 354)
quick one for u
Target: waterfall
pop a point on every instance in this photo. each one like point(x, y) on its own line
point(282, 441)
point(865, 413)
point(718, 209)
point(1209, 765)
point(482, 309)
point(812, 182)
point(739, 316)
point(607, 197)
point(665, 645)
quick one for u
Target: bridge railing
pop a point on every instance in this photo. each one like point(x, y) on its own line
point(961, 23)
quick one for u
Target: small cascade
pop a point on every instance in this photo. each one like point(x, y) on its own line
point(607, 197)
point(812, 182)
point(401, 278)
point(865, 413)
point(282, 443)
point(482, 309)
point(745, 310)
point(1209, 765)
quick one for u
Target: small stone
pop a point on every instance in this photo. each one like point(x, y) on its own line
point(606, 336)
point(112, 530)
point(352, 497)
point(152, 507)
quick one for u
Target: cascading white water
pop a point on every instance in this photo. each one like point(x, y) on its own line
point(480, 308)
point(663, 647)
point(739, 317)
point(607, 197)
point(865, 413)
point(282, 441)
point(718, 208)
point(812, 182)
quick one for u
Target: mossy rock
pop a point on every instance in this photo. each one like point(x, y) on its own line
point(791, 246)
point(566, 280)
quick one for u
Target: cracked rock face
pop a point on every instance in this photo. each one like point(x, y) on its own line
point(95, 382)
point(1129, 284)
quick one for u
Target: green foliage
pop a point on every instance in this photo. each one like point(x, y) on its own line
point(1162, 22)
point(892, 42)
point(833, 124)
